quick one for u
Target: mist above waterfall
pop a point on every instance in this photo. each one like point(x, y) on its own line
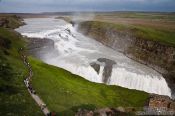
point(79, 16)
point(76, 53)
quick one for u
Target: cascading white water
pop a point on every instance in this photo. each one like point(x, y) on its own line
point(76, 52)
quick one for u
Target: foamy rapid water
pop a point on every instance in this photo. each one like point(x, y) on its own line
point(76, 52)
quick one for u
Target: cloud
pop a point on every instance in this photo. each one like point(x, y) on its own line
point(85, 5)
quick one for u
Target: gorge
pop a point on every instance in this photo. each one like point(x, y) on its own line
point(90, 59)
point(138, 44)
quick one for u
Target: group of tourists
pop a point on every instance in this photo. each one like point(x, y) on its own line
point(29, 86)
point(27, 80)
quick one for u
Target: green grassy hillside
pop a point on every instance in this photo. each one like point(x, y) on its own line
point(14, 97)
point(65, 92)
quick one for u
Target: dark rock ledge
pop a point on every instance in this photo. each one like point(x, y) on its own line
point(107, 71)
point(41, 48)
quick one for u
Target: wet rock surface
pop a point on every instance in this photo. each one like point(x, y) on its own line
point(170, 78)
point(41, 48)
point(108, 65)
point(39, 43)
point(95, 66)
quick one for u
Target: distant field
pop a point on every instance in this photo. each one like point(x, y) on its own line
point(145, 25)
point(152, 26)
point(140, 15)
point(141, 32)
point(164, 21)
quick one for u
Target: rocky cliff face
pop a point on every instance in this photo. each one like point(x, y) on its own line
point(154, 54)
point(41, 48)
point(157, 55)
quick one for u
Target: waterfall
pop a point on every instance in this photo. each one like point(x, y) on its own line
point(76, 52)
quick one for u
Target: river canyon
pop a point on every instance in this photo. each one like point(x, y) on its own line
point(90, 59)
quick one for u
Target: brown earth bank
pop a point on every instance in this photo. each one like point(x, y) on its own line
point(156, 54)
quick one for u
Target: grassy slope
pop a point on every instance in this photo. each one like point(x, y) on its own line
point(142, 32)
point(65, 92)
point(14, 97)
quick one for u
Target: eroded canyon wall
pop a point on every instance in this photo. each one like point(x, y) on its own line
point(157, 55)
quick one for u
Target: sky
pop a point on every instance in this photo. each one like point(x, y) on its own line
point(36, 6)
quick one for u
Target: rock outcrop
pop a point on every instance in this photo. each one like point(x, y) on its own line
point(96, 67)
point(170, 78)
point(157, 101)
point(158, 105)
point(155, 54)
point(41, 48)
point(107, 64)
